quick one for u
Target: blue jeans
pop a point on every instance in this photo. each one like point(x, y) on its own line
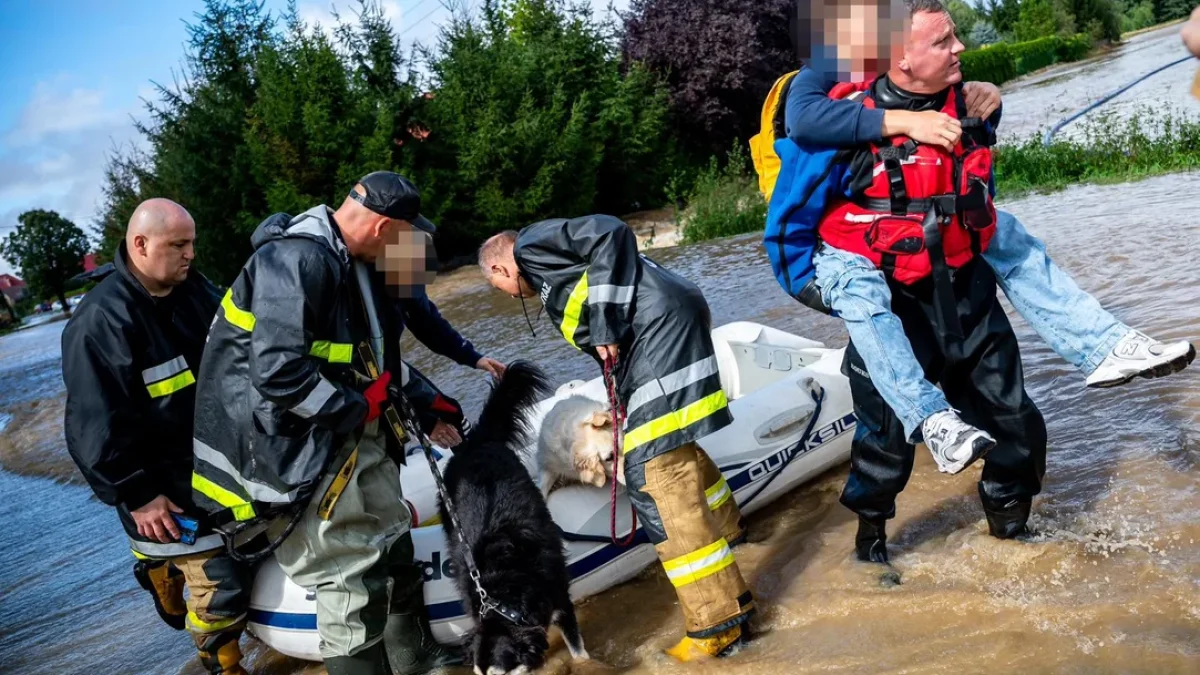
point(1071, 322)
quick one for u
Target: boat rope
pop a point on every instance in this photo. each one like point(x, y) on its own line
point(818, 397)
point(618, 422)
point(1108, 97)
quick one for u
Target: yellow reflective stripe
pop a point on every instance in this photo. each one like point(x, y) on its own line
point(180, 381)
point(674, 421)
point(236, 316)
point(242, 509)
point(574, 310)
point(332, 352)
point(140, 556)
point(718, 494)
point(211, 627)
point(699, 564)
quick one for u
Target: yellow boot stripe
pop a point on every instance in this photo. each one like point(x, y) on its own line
point(718, 494)
point(699, 564)
point(676, 420)
point(202, 626)
point(574, 310)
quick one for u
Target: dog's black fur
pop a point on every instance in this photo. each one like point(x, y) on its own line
point(517, 548)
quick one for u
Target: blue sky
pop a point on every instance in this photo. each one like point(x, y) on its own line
point(74, 72)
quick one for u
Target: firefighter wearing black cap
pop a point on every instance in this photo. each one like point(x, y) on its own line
point(617, 305)
point(130, 355)
point(291, 423)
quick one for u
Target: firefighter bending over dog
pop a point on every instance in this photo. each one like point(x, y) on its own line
point(617, 305)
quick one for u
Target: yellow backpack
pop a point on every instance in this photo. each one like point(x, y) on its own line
point(762, 146)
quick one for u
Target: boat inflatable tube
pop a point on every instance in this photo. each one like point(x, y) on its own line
point(793, 420)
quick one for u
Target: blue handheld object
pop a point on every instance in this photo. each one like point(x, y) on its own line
point(187, 528)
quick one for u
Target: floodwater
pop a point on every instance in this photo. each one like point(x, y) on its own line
point(1111, 584)
point(1036, 103)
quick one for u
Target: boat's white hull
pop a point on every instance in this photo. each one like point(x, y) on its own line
point(775, 368)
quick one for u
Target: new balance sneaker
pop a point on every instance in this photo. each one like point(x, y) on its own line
point(1139, 355)
point(954, 443)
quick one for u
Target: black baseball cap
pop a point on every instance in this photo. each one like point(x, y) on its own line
point(394, 196)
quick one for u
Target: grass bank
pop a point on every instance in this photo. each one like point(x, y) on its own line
point(1149, 143)
point(1106, 150)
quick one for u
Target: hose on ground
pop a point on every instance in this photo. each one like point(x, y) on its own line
point(1108, 97)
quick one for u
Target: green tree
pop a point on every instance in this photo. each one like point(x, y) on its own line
point(1043, 18)
point(965, 17)
point(198, 128)
point(984, 34)
point(1136, 16)
point(124, 175)
point(49, 250)
point(1169, 10)
point(1098, 18)
point(532, 118)
point(1003, 14)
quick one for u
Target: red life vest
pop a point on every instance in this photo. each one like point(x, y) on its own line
point(884, 222)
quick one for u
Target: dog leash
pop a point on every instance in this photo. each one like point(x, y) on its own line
point(486, 604)
point(610, 364)
point(373, 359)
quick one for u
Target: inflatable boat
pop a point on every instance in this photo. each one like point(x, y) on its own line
point(793, 419)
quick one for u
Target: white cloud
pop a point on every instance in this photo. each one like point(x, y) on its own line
point(53, 155)
point(57, 108)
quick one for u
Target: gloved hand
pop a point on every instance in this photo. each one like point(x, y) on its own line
point(376, 395)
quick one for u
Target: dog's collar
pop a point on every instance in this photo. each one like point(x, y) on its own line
point(509, 614)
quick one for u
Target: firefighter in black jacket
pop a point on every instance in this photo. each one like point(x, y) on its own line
point(615, 304)
point(291, 423)
point(130, 357)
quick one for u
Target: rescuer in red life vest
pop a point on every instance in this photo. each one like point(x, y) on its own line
point(875, 236)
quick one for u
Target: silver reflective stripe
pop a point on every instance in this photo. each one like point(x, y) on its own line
point(156, 550)
point(619, 295)
point(312, 404)
point(672, 383)
point(257, 491)
point(164, 370)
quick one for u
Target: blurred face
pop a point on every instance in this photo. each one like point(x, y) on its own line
point(931, 58)
point(409, 262)
point(855, 40)
point(165, 255)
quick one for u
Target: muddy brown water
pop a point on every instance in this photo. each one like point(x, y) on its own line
point(1111, 585)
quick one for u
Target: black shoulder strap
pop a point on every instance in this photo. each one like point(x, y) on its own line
point(779, 124)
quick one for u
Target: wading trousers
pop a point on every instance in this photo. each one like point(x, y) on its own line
point(981, 376)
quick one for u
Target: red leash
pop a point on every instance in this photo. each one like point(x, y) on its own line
point(618, 424)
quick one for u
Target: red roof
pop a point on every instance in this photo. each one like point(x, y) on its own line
point(89, 262)
point(9, 281)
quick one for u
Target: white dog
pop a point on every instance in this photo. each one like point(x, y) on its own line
point(576, 445)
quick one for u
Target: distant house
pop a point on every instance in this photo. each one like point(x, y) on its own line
point(89, 262)
point(12, 287)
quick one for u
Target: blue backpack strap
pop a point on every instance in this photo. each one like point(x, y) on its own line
point(808, 178)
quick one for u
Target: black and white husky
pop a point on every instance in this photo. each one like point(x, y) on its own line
point(517, 548)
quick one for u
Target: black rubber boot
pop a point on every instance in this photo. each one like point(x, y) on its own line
point(1010, 521)
point(370, 661)
point(407, 638)
point(870, 544)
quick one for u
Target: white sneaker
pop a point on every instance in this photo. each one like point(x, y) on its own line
point(954, 443)
point(1138, 355)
